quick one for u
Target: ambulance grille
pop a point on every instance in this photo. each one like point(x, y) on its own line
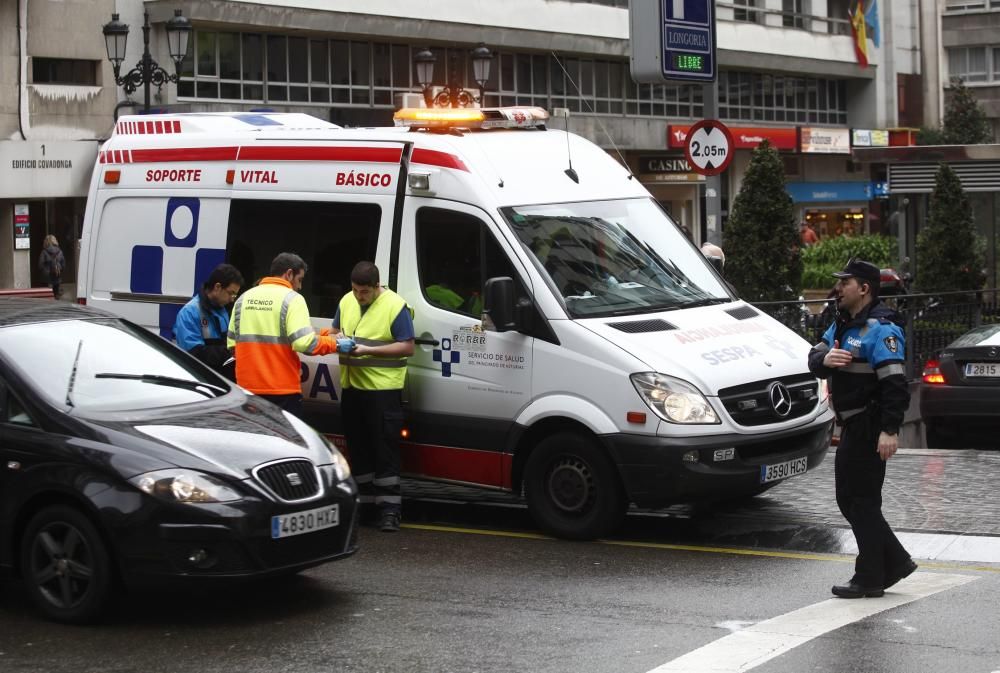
point(639, 326)
point(743, 312)
point(750, 404)
point(290, 480)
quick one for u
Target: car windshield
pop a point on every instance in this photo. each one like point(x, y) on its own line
point(104, 365)
point(615, 257)
point(987, 335)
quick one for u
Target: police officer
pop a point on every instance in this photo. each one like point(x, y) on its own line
point(270, 326)
point(862, 354)
point(201, 326)
point(375, 336)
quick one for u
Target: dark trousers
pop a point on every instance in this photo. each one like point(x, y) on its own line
point(373, 420)
point(290, 403)
point(860, 473)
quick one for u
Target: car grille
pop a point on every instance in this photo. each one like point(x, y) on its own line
point(750, 404)
point(290, 480)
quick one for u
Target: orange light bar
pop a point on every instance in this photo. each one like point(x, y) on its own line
point(430, 117)
point(112, 177)
point(932, 373)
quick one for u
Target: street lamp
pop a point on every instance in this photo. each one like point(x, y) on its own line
point(146, 71)
point(452, 94)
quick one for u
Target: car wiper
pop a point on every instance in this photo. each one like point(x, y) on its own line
point(72, 375)
point(187, 384)
point(708, 301)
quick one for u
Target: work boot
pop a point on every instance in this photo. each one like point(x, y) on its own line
point(389, 523)
point(899, 572)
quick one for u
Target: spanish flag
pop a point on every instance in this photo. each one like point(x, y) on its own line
point(860, 33)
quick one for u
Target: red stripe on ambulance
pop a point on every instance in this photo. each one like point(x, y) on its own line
point(436, 158)
point(382, 155)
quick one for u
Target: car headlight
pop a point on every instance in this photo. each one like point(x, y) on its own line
point(340, 467)
point(184, 486)
point(674, 400)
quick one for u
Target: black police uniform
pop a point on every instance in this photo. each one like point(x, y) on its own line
point(870, 395)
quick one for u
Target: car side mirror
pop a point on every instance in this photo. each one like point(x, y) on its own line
point(498, 304)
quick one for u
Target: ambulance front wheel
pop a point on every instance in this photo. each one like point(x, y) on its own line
point(573, 489)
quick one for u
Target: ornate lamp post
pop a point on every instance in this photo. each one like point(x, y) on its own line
point(147, 71)
point(452, 94)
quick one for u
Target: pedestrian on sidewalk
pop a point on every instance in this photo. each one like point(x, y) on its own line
point(862, 353)
point(269, 328)
point(375, 336)
point(51, 263)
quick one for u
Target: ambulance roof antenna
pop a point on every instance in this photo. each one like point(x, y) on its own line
point(570, 172)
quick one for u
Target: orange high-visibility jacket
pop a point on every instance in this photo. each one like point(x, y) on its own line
point(270, 325)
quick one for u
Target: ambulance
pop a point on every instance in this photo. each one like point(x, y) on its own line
point(572, 346)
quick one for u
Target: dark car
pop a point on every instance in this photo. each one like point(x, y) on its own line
point(124, 460)
point(960, 393)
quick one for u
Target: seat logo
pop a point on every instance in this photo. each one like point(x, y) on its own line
point(781, 399)
point(294, 479)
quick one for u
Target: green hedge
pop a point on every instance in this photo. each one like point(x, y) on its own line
point(819, 261)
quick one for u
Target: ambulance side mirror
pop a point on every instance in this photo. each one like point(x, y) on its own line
point(498, 304)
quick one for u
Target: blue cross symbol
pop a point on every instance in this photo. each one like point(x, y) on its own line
point(454, 357)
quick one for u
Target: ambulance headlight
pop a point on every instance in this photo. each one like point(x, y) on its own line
point(674, 400)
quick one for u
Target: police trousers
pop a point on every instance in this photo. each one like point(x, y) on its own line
point(860, 473)
point(373, 420)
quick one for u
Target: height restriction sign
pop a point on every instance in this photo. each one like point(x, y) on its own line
point(709, 147)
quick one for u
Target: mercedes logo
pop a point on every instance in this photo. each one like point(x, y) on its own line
point(993, 351)
point(781, 399)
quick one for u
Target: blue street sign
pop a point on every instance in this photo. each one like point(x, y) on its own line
point(688, 40)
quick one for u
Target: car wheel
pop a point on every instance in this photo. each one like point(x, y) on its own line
point(572, 488)
point(65, 565)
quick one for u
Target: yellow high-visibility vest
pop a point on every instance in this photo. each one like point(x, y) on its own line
point(373, 328)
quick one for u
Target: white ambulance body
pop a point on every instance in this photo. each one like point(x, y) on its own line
point(615, 365)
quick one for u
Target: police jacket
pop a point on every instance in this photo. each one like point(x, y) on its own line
point(875, 381)
point(201, 328)
point(270, 326)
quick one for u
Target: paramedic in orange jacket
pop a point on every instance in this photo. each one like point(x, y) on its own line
point(269, 327)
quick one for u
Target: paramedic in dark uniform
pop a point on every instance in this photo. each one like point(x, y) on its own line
point(862, 354)
point(201, 326)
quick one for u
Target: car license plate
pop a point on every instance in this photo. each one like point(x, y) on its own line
point(299, 523)
point(982, 369)
point(789, 468)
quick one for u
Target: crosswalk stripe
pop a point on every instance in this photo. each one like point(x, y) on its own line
point(751, 647)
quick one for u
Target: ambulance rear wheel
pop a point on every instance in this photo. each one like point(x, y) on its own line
point(572, 488)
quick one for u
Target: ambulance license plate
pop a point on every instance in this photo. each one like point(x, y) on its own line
point(299, 523)
point(990, 369)
point(779, 471)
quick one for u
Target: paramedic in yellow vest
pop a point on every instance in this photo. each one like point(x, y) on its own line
point(269, 327)
point(374, 332)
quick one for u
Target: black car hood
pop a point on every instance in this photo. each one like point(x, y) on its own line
point(220, 438)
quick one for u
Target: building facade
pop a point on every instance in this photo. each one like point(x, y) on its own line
point(788, 71)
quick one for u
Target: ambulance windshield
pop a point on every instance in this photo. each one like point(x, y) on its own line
point(620, 257)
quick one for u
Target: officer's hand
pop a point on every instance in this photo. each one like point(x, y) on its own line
point(837, 356)
point(345, 345)
point(887, 445)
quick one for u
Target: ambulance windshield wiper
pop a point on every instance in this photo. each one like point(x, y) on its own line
point(707, 301)
point(187, 384)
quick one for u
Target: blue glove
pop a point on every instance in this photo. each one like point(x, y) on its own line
point(345, 345)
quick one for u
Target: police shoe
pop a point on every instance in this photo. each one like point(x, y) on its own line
point(854, 590)
point(899, 572)
point(389, 523)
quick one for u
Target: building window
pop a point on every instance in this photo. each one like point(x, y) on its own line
point(966, 5)
point(63, 71)
point(838, 11)
point(792, 14)
point(968, 63)
point(740, 13)
point(749, 96)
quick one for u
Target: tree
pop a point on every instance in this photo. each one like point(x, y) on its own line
point(950, 254)
point(965, 122)
point(761, 238)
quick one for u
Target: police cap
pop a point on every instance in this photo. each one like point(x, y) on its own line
point(862, 270)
